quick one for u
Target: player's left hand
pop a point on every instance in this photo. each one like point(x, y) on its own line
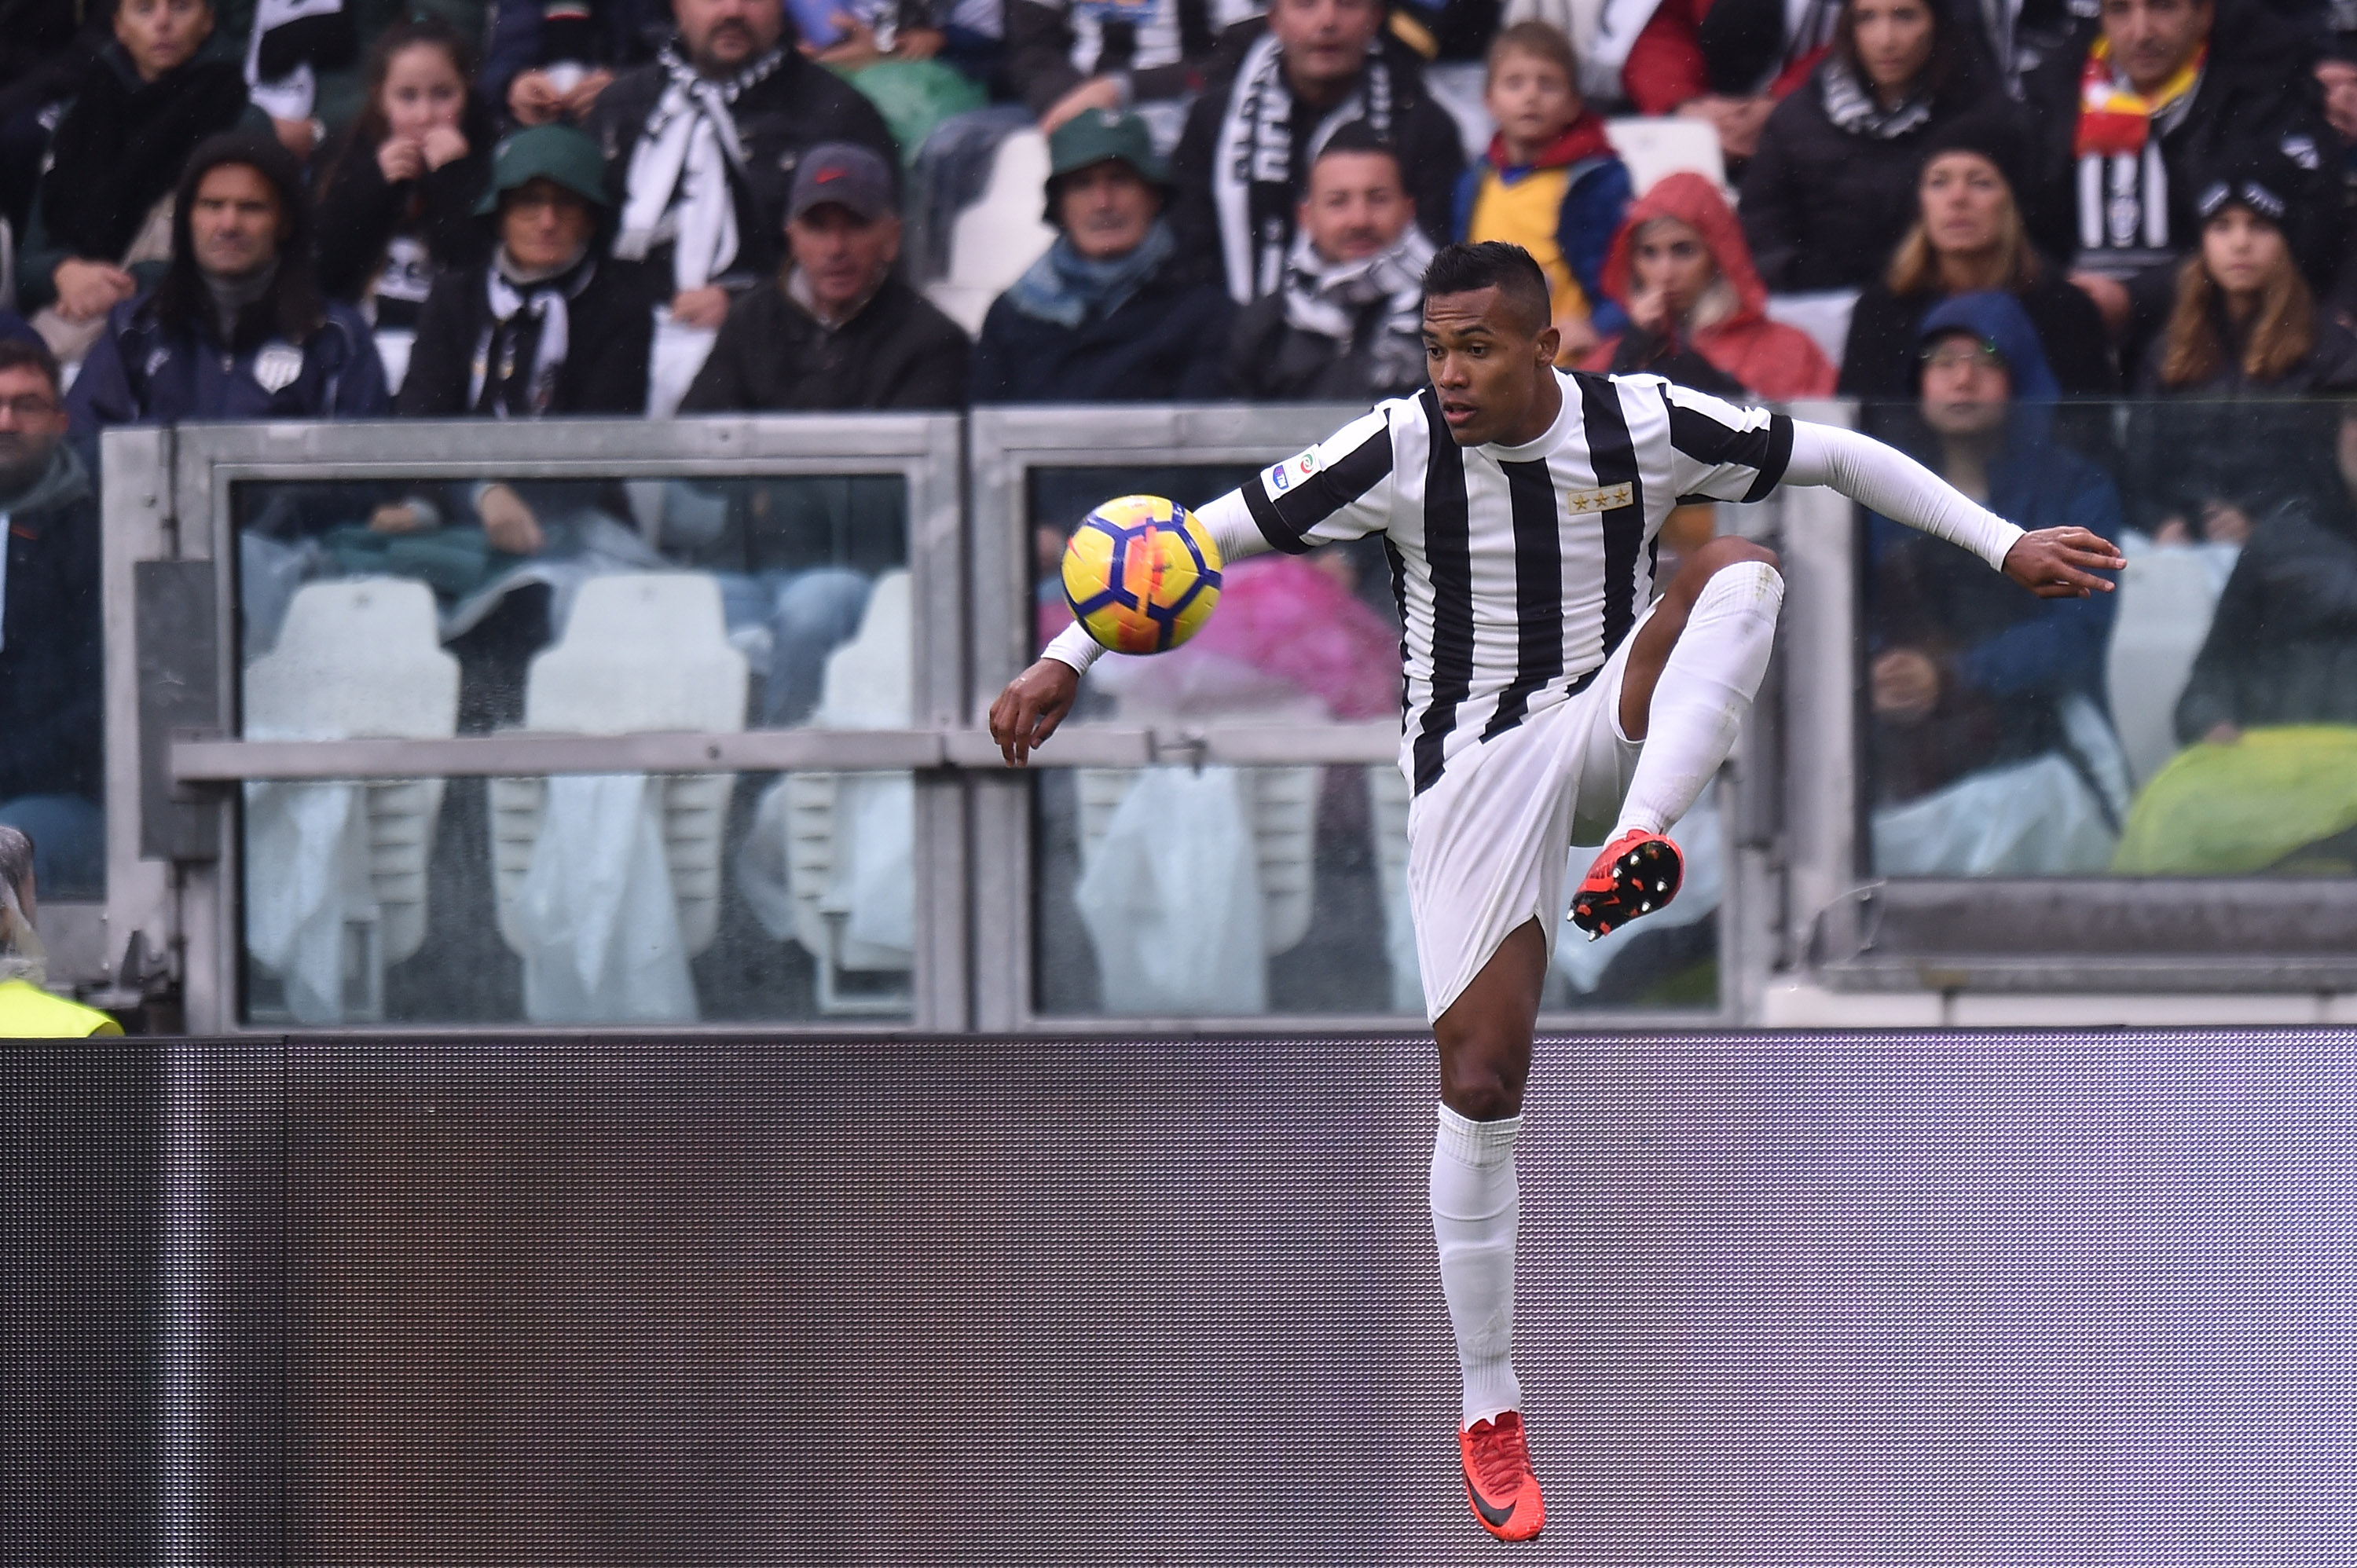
point(2061, 563)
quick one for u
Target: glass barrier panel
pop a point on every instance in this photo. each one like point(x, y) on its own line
point(1175, 892)
point(2201, 721)
point(409, 609)
point(52, 667)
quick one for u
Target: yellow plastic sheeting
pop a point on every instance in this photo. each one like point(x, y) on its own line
point(2221, 810)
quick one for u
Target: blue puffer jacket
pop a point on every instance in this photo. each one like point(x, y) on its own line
point(142, 372)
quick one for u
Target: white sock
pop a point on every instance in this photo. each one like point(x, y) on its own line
point(1705, 690)
point(1475, 1212)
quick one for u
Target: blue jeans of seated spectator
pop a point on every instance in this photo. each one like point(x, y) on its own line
point(69, 836)
point(817, 611)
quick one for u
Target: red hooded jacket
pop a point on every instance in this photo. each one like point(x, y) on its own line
point(1772, 360)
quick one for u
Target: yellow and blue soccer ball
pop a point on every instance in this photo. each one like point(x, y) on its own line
point(1142, 574)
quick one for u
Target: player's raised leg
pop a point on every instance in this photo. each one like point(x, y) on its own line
point(1485, 1059)
point(1693, 671)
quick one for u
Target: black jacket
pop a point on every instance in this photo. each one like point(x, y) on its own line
point(2282, 649)
point(359, 213)
point(778, 118)
point(1271, 360)
point(1432, 154)
point(2230, 438)
point(1164, 344)
point(51, 669)
point(1823, 208)
point(1879, 360)
point(610, 326)
point(2259, 85)
point(772, 355)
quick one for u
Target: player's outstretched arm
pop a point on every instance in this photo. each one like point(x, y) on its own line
point(2053, 562)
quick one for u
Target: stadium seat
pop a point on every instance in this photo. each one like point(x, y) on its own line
point(849, 837)
point(356, 658)
point(996, 238)
point(1655, 145)
point(1823, 314)
point(640, 653)
point(2166, 599)
point(1281, 803)
point(1387, 791)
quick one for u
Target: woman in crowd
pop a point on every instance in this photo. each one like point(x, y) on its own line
point(1697, 310)
point(539, 328)
point(1833, 186)
point(102, 220)
point(2245, 330)
point(397, 201)
point(1968, 237)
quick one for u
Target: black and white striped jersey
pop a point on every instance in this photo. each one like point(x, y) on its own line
point(1518, 569)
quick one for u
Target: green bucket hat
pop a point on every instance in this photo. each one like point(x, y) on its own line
point(1095, 134)
point(556, 153)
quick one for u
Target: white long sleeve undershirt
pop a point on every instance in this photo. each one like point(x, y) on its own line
point(1859, 467)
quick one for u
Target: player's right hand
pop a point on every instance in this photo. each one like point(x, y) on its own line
point(1033, 704)
point(2061, 563)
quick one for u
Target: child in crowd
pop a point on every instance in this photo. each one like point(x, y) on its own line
point(1550, 182)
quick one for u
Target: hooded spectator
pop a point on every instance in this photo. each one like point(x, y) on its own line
point(1243, 161)
point(2244, 330)
point(701, 148)
point(1550, 181)
point(2125, 130)
point(1697, 311)
point(2282, 649)
point(1969, 236)
point(1348, 326)
point(237, 328)
point(102, 219)
point(52, 676)
point(1109, 315)
point(397, 202)
point(1991, 751)
point(837, 330)
point(1832, 187)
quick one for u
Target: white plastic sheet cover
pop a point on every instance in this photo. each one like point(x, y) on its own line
point(595, 920)
point(306, 884)
point(1171, 898)
point(2044, 817)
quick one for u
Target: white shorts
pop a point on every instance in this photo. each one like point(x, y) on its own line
point(1488, 845)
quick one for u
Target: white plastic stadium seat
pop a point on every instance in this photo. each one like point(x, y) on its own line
point(1656, 146)
point(1000, 235)
point(641, 653)
point(1281, 804)
point(363, 659)
point(2166, 598)
point(846, 832)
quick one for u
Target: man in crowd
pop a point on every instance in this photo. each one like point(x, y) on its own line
point(2124, 131)
point(702, 144)
point(237, 328)
point(51, 676)
point(1110, 314)
point(837, 330)
point(1348, 326)
point(1244, 158)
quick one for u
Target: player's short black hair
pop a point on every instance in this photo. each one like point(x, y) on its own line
point(1493, 263)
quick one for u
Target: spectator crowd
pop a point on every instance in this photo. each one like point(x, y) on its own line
point(521, 209)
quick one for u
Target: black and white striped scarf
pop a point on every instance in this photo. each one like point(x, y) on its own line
point(680, 190)
point(1854, 108)
point(1253, 187)
point(1327, 297)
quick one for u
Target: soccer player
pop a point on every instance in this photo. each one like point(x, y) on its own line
point(1550, 695)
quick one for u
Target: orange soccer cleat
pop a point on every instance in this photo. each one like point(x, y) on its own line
point(1637, 874)
point(1498, 1479)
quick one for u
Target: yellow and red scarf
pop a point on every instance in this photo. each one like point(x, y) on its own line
point(2115, 120)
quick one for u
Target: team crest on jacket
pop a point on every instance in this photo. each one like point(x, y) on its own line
point(276, 365)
